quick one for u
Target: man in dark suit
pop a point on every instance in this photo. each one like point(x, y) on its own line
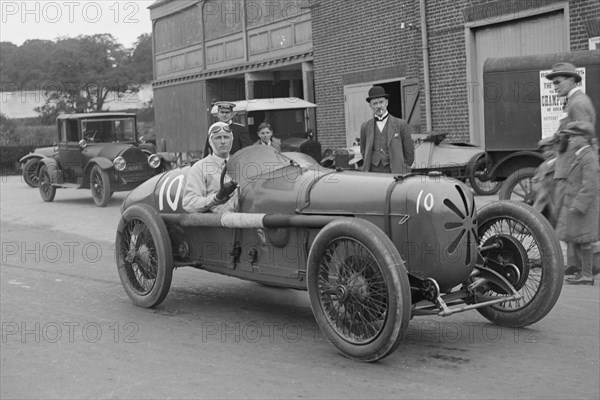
point(385, 141)
point(241, 137)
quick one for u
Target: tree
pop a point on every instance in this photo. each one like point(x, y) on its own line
point(23, 67)
point(84, 70)
point(141, 58)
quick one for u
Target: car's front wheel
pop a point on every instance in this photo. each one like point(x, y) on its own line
point(47, 191)
point(530, 251)
point(30, 175)
point(144, 256)
point(100, 186)
point(358, 289)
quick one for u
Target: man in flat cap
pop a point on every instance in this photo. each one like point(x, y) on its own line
point(208, 187)
point(385, 141)
point(241, 137)
point(578, 203)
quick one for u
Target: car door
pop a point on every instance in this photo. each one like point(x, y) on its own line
point(69, 151)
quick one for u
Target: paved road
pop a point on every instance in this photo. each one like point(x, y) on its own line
point(69, 330)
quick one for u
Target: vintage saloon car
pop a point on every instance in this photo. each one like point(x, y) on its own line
point(372, 259)
point(99, 151)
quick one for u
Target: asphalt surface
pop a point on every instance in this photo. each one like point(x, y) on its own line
point(70, 331)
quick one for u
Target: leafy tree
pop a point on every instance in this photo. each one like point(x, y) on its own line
point(141, 58)
point(84, 70)
point(24, 66)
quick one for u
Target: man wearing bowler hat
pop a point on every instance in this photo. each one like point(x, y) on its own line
point(241, 137)
point(385, 141)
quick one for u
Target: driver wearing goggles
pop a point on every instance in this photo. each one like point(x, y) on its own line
point(208, 187)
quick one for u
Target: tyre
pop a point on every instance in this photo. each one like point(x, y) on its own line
point(30, 175)
point(100, 186)
point(518, 185)
point(532, 247)
point(144, 256)
point(47, 191)
point(358, 289)
point(483, 188)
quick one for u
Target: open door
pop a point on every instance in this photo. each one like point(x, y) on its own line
point(411, 110)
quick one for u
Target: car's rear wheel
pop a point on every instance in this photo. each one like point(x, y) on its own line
point(529, 245)
point(144, 256)
point(47, 191)
point(100, 186)
point(358, 289)
point(30, 175)
point(482, 187)
point(518, 186)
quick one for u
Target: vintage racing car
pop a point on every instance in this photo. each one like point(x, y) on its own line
point(372, 259)
point(432, 153)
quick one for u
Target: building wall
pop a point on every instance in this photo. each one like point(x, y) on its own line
point(347, 41)
point(351, 36)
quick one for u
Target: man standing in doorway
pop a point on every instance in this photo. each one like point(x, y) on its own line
point(241, 138)
point(385, 141)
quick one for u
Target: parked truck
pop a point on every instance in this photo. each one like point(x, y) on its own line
point(521, 107)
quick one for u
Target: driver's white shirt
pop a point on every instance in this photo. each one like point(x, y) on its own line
point(203, 184)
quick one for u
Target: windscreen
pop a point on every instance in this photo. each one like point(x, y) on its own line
point(108, 130)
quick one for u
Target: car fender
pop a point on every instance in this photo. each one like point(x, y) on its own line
point(54, 170)
point(29, 156)
point(473, 161)
point(514, 161)
point(102, 162)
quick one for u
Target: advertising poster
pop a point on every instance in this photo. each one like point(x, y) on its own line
point(552, 103)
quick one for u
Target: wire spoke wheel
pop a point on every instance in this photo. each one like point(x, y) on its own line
point(144, 256)
point(530, 246)
point(358, 289)
point(141, 259)
point(529, 266)
point(353, 292)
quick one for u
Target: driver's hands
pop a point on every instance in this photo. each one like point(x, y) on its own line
point(226, 188)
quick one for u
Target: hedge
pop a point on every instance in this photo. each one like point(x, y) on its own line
point(10, 155)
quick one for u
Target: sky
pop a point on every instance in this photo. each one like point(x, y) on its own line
point(30, 19)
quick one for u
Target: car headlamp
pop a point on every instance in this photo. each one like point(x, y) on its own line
point(154, 161)
point(119, 163)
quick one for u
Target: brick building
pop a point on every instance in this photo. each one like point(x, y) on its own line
point(428, 55)
point(357, 44)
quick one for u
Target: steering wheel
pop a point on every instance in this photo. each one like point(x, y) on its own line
point(90, 136)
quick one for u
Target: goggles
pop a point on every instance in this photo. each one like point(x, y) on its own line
point(217, 129)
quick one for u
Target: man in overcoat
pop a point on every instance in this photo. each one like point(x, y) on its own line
point(385, 141)
point(579, 202)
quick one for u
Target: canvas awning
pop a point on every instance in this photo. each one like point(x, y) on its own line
point(281, 103)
